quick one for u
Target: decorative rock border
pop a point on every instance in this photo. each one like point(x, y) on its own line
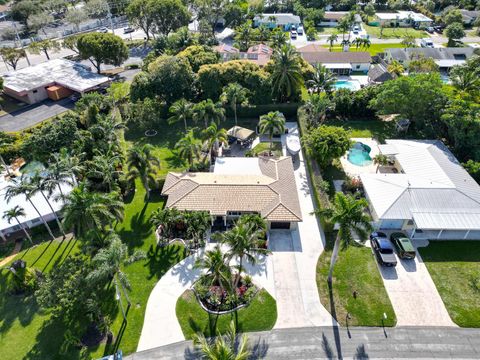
point(151, 133)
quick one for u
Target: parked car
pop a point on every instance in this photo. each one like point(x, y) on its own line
point(383, 251)
point(356, 28)
point(439, 28)
point(403, 245)
point(103, 30)
point(430, 30)
point(128, 30)
point(293, 35)
point(377, 234)
point(426, 43)
point(300, 30)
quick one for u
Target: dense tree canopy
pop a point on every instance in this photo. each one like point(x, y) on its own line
point(327, 143)
point(198, 55)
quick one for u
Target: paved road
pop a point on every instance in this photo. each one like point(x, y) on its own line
point(334, 343)
point(34, 114)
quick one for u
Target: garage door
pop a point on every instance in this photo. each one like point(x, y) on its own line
point(280, 225)
point(391, 224)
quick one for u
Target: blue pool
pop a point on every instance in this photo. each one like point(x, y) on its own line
point(359, 154)
point(30, 169)
point(347, 84)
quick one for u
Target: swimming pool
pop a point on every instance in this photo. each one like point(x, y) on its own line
point(359, 154)
point(353, 85)
point(31, 168)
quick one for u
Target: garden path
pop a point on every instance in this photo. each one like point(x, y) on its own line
point(15, 251)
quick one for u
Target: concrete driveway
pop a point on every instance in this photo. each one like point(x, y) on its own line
point(413, 294)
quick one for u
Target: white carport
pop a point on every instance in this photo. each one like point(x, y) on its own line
point(448, 225)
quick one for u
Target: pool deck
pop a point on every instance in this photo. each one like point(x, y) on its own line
point(355, 170)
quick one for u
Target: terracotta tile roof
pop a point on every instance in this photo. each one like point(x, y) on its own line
point(336, 57)
point(312, 48)
point(272, 194)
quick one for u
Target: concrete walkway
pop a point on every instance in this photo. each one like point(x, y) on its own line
point(15, 251)
point(413, 294)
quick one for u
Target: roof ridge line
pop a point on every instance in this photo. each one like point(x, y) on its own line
point(398, 197)
point(188, 192)
point(281, 204)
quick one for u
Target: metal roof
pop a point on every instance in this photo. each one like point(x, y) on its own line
point(433, 182)
point(280, 18)
point(451, 221)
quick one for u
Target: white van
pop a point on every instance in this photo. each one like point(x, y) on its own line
point(426, 43)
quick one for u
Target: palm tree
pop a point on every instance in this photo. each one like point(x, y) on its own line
point(278, 38)
point(380, 160)
point(395, 68)
point(142, 163)
point(263, 33)
point(218, 271)
point(271, 123)
point(189, 148)
point(24, 187)
point(86, 212)
point(286, 72)
point(409, 41)
point(366, 43)
point(105, 170)
point(198, 223)
point(208, 111)
point(332, 39)
point(15, 213)
point(67, 164)
point(317, 107)
point(3, 143)
point(322, 80)
point(244, 242)
point(224, 347)
point(182, 111)
point(464, 78)
point(108, 262)
point(41, 186)
point(234, 94)
point(357, 42)
point(244, 35)
point(213, 137)
point(57, 175)
point(349, 214)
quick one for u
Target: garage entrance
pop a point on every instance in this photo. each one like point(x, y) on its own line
point(280, 225)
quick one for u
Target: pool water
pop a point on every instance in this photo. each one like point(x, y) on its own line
point(359, 154)
point(347, 84)
point(31, 168)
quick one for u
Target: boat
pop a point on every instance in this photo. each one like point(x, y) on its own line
point(293, 142)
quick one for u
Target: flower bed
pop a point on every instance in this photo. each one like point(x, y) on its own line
point(215, 298)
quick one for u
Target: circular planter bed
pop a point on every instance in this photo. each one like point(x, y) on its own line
point(151, 132)
point(216, 300)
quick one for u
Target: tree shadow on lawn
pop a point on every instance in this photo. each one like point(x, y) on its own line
point(175, 161)
point(160, 259)
point(15, 307)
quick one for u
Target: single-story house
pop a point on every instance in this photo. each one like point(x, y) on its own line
point(53, 79)
point(259, 54)
point(239, 186)
point(341, 63)
point(378, 74)
point(284, 21)
point(31, 218)
point(469, 16)
point(403, 19)
point(430, 197)
point(312, 48)
point(332, 18)
point(445, 58)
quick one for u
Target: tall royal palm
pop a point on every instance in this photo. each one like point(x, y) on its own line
point(142, 164)
point(213, 137)
point(67, 164)
point(181, 110)
point(349, 214)
point(333, 38)
point(317, 106)
point(14, 213)
point(189, 148)
point(244, 241)
point(233, 95)
point(216, 267)
point(286, 72)
point(46, 189)
point(90, 212)
point(322, 80)
point(271, 124)
point(208, 111)
point(26, 188)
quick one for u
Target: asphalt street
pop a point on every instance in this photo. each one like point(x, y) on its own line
point(339, 343)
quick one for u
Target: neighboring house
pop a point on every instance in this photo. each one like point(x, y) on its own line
point(378, 74)
point(445, 58)
point(469, 16)
point(239, 186)
point(403, 19)
point(332, 18)
point(312, 48)
point(31, 218)
point(53, 79)
point(431, 196)
point(259, 54)
point(342, 63)
point(4, 11)
point(283, 21)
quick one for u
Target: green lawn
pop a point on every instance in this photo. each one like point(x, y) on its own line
point(455, 270)
point(265, 146)
point(260, 315)
point(355, 270)
point(377, 129)
point(373, 49)
point(326, 30)
point(394, 33)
